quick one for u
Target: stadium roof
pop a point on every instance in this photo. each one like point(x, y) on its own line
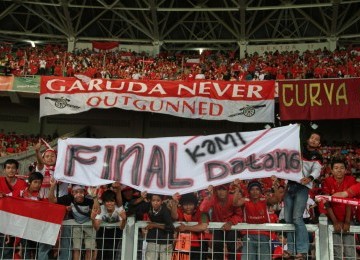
point(181, 24)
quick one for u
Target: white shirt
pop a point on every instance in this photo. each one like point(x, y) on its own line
point(110, 217)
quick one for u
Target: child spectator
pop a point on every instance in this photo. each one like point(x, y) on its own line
point(340, 215)
point(79, 208)
point(159, 233)
point(223, 210)
point(109, 238)
point(280, 246)
point(189, 212)
point(32, 192)
point(9, 184)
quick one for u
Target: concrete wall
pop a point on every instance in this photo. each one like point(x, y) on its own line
point(118, 123)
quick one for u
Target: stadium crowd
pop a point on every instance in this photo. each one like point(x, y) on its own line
point(334, 168)
point(12, 143)
point(214, 65)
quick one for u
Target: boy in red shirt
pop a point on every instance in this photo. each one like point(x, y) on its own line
point(189, 212)
point(223, 210)
point(256, 242)
point(9, 184)
point(339, 214)
point(32, 192)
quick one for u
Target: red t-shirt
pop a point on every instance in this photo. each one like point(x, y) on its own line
point(7, 189)
point(256, 213)
point(354, 190)
point(198, 216)
point(222, 212)
point(331, 186)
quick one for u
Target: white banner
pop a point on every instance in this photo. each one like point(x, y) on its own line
point(246, 101)
point(181, 164)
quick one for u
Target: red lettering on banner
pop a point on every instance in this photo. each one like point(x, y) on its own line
point(195, 108)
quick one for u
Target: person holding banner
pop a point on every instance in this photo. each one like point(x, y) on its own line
point(79, 207)
point(296, 196)
point(159, 233)
point(109, 238)
point(223, 210)
point(192, 234)
point(340, 215)
point(256, 243)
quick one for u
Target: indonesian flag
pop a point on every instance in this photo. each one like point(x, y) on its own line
point(106, 46)
point(126, 56)
point(33, 220)
point(192, 62)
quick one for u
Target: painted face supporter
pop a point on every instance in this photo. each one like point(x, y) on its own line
point(223, 210)
point(9, 184)
point(46, 165)
point(109, 238)
point(194, 234)
point(340, 215)
point(256, 243)
point(32, 192)
point(159, 233)
point(79, 208)
point(296, 196)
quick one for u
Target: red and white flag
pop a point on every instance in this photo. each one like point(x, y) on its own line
point(192, 62)
point(34, 220)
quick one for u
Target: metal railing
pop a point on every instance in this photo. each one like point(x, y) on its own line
point(112, 243)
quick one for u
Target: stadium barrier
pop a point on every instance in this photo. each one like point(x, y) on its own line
point(112, 243)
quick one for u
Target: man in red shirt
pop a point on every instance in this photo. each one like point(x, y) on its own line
point(9, 184)
point(223, 210)
point(340, 214)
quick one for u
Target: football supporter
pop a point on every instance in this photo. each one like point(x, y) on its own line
point(79, 208)
point(340, 215)
point(109, 238)
point(9, 184)
point(194, 234)
point(32, 192)
point(296, 196)
point(46, 165)
point(223, 210)
point(159, 232)
point(256, 243)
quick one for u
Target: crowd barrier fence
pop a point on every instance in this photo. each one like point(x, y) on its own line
point(111, 243)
